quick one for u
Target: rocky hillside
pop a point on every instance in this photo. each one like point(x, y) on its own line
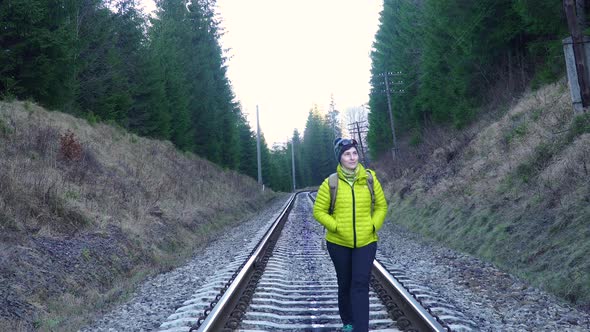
point(88, 210)
point(513, 189)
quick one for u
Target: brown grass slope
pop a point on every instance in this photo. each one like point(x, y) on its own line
point(514, 190)
point(86, 211)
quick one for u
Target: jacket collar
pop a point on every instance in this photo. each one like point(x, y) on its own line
point(361, 172)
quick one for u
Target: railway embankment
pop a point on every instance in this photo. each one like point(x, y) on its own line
point(88, 210)
point(513, 189)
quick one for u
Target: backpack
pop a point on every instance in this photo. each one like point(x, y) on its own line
point(333, 182)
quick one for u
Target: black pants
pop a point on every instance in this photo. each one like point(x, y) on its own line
point(353, 270)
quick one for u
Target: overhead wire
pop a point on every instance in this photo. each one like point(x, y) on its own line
point(478, 19)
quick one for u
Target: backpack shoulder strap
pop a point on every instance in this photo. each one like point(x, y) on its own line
point(371, 190)
point(333, 182)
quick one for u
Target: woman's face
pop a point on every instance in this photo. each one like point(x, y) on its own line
point(350, 158)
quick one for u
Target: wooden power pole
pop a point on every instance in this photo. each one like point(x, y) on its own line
point(575, 13)
point(258, 148)
point(359, 129)
point(388, 91)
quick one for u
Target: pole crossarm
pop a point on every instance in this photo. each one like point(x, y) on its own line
point(388, 91)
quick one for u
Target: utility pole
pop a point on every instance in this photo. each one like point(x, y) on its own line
point(359, 129)
point(258, 148)
point(387, 76)
point(575, 13)
point(293, 163)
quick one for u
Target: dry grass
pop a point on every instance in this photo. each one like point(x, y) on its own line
point(571, 165)
point(511, 189)
point(6, 325)
point(64, 179)
point(120, 177)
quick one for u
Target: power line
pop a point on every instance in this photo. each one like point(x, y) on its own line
point(385, 75)
point(359, 128)
point(457, 41)
point(386, 78)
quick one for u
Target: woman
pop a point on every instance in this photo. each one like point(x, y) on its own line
point(352, 232)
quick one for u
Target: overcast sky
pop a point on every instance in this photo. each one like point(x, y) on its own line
point(286, 56)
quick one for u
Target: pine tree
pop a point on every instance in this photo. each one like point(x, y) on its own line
point(451, 53)
point(279, 174)
point(149, 116)
point(37, 56)
point(302, 169)
point(248, 161)
point(168, 47)
point(317, 149)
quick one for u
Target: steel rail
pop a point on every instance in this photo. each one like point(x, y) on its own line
point(216, 319)
point(420, 317)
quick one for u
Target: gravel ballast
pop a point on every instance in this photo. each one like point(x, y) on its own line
point(494, 300)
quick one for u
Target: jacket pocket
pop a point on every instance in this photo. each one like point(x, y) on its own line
point(335, 228)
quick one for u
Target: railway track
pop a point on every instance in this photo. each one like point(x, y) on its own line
point(284, 281)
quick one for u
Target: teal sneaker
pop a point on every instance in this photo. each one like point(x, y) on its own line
point(347, 328)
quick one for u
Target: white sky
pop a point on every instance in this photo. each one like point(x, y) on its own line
point(286, 56)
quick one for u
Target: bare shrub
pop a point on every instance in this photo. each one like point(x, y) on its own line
point(69, 147)
point(142, 192)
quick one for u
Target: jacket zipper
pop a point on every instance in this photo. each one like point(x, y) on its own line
point(353, 216)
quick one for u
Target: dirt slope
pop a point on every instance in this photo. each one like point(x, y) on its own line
point(513, 189)
point(88, 210)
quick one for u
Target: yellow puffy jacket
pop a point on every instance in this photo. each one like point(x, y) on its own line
point(351, 225)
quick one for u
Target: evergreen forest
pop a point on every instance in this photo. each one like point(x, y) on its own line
point(447, 59)
point(161, 76)
point(164, 76)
